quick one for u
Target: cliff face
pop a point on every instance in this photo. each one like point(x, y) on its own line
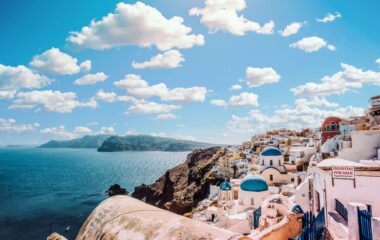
point(184, 186)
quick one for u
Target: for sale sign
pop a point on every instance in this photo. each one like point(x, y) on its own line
point(343, 172)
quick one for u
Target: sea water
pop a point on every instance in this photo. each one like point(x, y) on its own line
point(44, 189)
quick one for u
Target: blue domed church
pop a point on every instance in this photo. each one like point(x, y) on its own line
point(252, 191)
point(271, 163)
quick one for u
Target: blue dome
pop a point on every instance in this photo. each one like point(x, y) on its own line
point(253, 183)
point(225, 186)
point(271, 151)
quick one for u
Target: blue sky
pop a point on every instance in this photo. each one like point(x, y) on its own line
point(318, 68)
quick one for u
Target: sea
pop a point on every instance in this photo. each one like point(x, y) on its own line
point(43, 190)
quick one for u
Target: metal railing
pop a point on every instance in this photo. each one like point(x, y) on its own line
point(312, 226)
point(339, 207)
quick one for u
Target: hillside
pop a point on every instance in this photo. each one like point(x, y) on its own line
point(148, 143)
point(83, 142)
point(181, 188)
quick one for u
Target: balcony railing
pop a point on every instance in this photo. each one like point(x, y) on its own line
point(339, 207)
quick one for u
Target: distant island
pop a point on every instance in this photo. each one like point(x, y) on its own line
point(148, 143)
point(88, 141)
point(109, 143)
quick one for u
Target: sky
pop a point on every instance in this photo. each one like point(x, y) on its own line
point(206, 70)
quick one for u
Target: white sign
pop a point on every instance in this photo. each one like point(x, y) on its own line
point(343, 172)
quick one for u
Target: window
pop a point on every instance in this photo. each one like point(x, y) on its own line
point(252, 202)
point(279, 162)
point(292, 179)
point(271, 177)
point(271, 162)
point(318, 204)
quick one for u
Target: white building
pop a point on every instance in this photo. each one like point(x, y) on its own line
point(323, 191)
point(252, 192)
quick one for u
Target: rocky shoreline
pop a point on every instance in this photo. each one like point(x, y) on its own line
point(181, 188)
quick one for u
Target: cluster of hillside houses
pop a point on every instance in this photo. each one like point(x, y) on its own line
point(313, 184)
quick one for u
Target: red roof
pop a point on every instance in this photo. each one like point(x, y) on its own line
point(329, 120)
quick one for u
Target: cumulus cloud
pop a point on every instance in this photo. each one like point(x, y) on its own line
point(348, 78)
point(169, 59)
point(300, 116)
point(106, 130)
point(235, 87)
point(378, 61)
point(82, 130)
point(106, 96)
point(56, 62)
point(140, 88)
point(54, 101)
point(59, 132)
point(86, 66)
point(150, 107)
point(245, 99)
point(312, 44)
point(224, 15)
point(9, 125)
point(13, 79)
point(176, 136)
point(90, 79)
point(113, 97)
point(316, 101)
point(166, 116)
point(259, 76)
point(292, 29)
point(329, 17)
point(136, 24)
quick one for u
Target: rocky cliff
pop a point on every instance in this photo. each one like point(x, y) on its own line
point(184, 186)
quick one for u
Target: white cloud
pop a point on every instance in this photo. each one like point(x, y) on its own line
point(113, 97)
point(245, 99)
point(106, 130)
point(292, 29)
point(59, 132)
point(348, 78)
point(169, 59)
point(219, 102)
point(316, 101)
point(7, 94)
point(175, 136)
point(331, 47)
point(329, 17)
point(166, 116)
point(56, 62)
point(140, 88)
point(151, 107)
point(260, 76)
point(9, 125)
point(13, 79)
point(82, 130)
point(378, 61)
point(90, 79)
point(235, 87)
point(86, 65)
point(106, 96)
point(298, 117)
point(136, 24)
point(55, 101)
point(312, 44)
point(223, 15)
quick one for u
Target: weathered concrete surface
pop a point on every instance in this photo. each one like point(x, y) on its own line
point(124, 218)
